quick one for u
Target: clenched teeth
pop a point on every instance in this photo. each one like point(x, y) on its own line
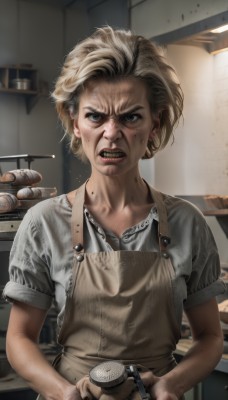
point(112, 154)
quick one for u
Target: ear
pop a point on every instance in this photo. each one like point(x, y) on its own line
point(76, 129)
point(155, 128)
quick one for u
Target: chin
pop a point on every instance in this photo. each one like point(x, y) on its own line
point(110, 170)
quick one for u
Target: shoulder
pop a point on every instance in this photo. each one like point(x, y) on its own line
point(184, 217)
point(187, 224)
point(49, 211)
point(181, 207)
point(176, 205)
point(51, 204)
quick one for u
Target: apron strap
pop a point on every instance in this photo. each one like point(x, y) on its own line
point(77, 219)
point(163, 228)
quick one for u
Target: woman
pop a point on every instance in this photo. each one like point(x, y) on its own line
point(139, 256)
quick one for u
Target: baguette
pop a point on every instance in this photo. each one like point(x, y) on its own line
point(29, 193)
point(21, 177)
point(8, 202)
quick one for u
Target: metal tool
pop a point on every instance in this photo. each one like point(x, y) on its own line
point(133, 371)
point(108, 375)
point(112, 374)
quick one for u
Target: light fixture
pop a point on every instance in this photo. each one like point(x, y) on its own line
point(221, 29)
point(220, 42)
point(222, 50)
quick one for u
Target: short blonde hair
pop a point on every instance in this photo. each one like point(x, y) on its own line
point(113, 54)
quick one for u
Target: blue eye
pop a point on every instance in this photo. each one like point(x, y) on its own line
point(130, 117)
point(94, 116)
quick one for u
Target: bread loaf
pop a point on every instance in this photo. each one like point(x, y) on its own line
point(8, 202)
point(29, 193)
point(47, 191)
point(21, 177)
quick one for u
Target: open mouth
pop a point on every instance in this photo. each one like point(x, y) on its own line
point(112, 154)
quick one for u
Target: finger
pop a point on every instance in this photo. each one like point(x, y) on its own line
point(148, 378)
point(83, 387)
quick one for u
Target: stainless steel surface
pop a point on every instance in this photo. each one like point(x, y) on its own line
point(26, 157)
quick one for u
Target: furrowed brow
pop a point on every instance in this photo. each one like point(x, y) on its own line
point(132, 110)
point(93, 110)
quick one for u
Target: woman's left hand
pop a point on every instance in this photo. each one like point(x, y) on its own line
point(161, 391)
point(157, 387)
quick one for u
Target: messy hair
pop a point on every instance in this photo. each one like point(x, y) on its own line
point(113, 54)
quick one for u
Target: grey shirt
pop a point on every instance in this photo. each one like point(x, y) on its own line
point(42, 253)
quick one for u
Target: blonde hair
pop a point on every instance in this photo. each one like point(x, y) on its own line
point(113, 54)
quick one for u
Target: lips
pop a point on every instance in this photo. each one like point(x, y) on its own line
point(112, 154)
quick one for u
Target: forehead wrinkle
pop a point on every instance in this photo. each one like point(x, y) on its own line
point(112, 99)
point(112, 105)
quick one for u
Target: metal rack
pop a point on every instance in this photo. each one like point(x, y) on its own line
point(26, 157)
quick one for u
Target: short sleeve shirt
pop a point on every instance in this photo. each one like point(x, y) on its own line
point(41, 257)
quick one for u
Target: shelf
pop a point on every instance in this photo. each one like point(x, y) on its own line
point(20, 80)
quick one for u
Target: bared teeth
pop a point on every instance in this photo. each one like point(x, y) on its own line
point(112, 154)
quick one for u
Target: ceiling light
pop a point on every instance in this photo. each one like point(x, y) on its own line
point(214, 52)
point(220, 29)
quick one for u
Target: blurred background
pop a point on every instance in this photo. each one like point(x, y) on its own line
point(36, 35)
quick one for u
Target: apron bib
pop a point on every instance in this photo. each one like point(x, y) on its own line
point(119, 306)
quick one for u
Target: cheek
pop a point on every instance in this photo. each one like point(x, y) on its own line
point(86, 136)
point(143, 141)
point(86, 139)
point(140, 138)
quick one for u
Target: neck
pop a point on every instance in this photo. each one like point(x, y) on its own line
point(116, 192)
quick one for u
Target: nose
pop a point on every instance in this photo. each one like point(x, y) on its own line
point(112, 129)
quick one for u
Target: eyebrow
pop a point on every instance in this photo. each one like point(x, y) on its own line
point(131, 110)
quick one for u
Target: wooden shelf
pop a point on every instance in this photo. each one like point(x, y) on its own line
point(16, 91)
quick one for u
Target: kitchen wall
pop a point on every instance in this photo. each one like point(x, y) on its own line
point(198, 159)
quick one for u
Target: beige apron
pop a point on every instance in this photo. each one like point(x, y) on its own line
point(119, 306)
